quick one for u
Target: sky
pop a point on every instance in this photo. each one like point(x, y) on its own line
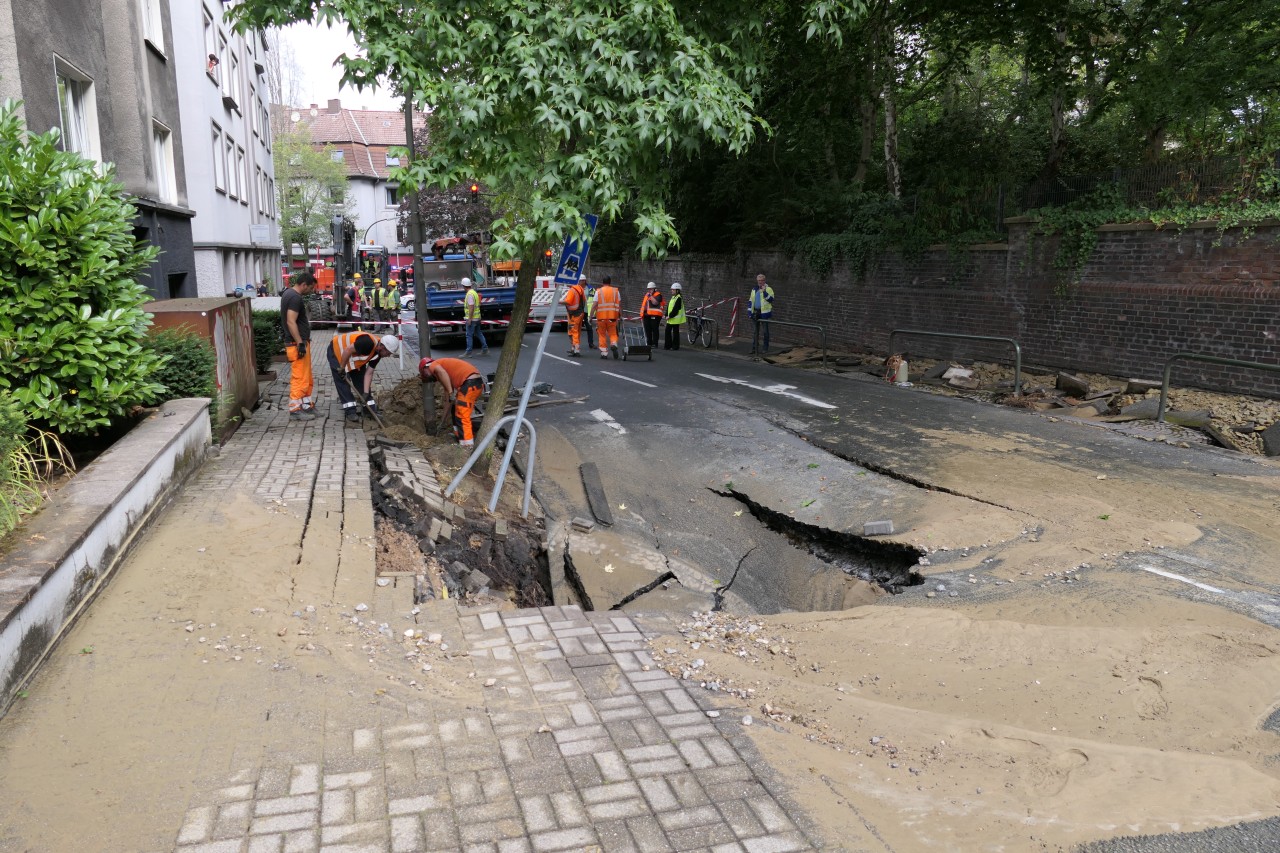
point(314, 50)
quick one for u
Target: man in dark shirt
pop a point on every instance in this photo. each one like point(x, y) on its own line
point(296, 329)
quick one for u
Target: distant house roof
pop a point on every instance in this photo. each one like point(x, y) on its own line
point(363, 136)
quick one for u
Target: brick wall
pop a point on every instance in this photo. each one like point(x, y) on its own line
point(1144, 295)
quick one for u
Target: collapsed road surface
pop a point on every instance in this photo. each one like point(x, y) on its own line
point(1083, 646)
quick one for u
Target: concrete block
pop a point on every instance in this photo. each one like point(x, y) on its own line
point(877, 528)
point(500, 530)
point(584, 525)
point(446, 530)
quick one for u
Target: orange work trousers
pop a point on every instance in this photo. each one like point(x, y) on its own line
point(301, 383)
point(575, 330)
point(607, 332)
point(464, 403)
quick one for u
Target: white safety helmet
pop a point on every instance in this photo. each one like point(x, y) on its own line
point(675, 285)
point(391, 343)
point(650, 286)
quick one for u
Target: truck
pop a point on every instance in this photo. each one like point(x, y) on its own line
point(445, 281)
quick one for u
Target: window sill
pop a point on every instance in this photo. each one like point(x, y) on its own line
point(157, 49)
point(230, 103)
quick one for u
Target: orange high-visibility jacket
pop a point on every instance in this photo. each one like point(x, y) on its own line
point(653, 305)
point(344, 350)
point(574, 299)
point(608, 303)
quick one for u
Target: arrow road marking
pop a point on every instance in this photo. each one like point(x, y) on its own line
point(628, 378)
point(781, 390)
point(607, 419)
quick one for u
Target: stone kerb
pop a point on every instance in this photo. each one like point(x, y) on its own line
point(66, 553)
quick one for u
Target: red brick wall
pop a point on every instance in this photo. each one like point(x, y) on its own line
point(1144, 295)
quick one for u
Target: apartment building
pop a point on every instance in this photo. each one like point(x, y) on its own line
point(106, 74)
point(226, 132)
point(363, 141)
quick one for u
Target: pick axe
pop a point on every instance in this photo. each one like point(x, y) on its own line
point(360, 401)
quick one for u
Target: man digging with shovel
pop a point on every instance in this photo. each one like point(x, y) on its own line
point(462, 385)
point(352, 358)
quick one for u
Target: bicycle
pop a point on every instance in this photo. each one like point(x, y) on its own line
point(700, 327)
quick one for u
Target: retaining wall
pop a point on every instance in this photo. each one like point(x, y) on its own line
point(1144, 295)
point(64, 555)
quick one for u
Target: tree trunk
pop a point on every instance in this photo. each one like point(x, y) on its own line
point(510, 357)
point(892, 172)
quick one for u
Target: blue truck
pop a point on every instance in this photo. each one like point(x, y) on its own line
point(445, 282)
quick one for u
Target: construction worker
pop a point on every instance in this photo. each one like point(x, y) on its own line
point(607, 309)
point(368, 298)
point(589, 318)
point(652, 307)
point(462, 384)
point(353, 295)
point(575, 304)
point(471, 313)
point(393, 300)
point(295, 326)
point(352, 358)
point(675, 317)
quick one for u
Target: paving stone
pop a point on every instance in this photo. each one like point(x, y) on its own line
point(347, 833)
point(305, 779)
point(564, 839)
point(285, 805)
point(284, 822)
point(233, 820)
point(771, 814)
point(569, 809)
point(337, 806)
point(538, 813)
point(649, 836)
point(212, 847)
point(783, 843)
point(406, 835)
point(198, 825)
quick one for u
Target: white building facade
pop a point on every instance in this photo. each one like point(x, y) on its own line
point(226, 132)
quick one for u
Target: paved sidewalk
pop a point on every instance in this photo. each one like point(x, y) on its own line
point(231, 691)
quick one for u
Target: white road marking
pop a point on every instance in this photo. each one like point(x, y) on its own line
point(628, 378)
point(781, 390)
point(561, 358)
point(1162, 573)
point(607, 419)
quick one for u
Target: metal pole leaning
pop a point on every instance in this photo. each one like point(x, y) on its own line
point(519, 418)
point(489, 439)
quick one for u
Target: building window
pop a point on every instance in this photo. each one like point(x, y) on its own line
point(232, 89)
point(271, 198)
point(337, 194)
point(229, 153)
point(393, 195)
point(162, 152)
point(79, 112)
point(256, 116)
point(242, 176)
point(223, 67)
point(210, 45)
point(393, 160)
point(219, 161)
point(153, 23)
point(337, 156)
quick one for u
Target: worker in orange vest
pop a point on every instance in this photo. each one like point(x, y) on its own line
point(353, 356)
point(575, 303)
point(608, 308)
point(462, 385)
point(652, 307)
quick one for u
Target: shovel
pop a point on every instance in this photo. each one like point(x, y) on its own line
point(359, 397)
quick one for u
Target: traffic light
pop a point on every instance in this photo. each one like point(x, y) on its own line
point(475, 192)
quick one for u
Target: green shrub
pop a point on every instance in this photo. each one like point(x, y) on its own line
point(27, 460)
point(189, 367)
point(267, 340)
point(72, 325)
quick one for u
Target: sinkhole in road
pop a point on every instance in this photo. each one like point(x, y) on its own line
point(889, 565)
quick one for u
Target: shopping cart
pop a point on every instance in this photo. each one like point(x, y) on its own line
point(632, 340)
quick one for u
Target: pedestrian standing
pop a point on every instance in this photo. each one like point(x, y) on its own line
point(295, 327)
point(391, 300)
point(462, 385)
point(575, 304)
point(652, 307)
point(608, 308)
point(471, 313)
point(675, 317)
point(352, 358)
point(760, 310)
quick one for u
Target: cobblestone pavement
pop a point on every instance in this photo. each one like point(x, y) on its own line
point(554, 730)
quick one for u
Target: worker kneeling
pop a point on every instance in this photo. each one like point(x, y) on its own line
point(352, 358)
point(462, 384)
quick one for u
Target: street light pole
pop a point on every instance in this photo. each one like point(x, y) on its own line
point(419, 274)
point(365, 241)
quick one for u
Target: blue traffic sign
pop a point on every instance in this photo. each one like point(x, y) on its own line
point(573, 258)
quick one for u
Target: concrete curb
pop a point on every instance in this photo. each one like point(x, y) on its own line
point(69, 551)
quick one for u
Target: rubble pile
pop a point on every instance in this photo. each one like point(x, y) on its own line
point(460, 553)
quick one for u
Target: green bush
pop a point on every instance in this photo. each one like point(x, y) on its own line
point(189, 365)
point(72, 326)
point(267, 340)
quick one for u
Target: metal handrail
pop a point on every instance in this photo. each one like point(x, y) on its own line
point(1211, 359)
point(822, 335)
point(1017, 350)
